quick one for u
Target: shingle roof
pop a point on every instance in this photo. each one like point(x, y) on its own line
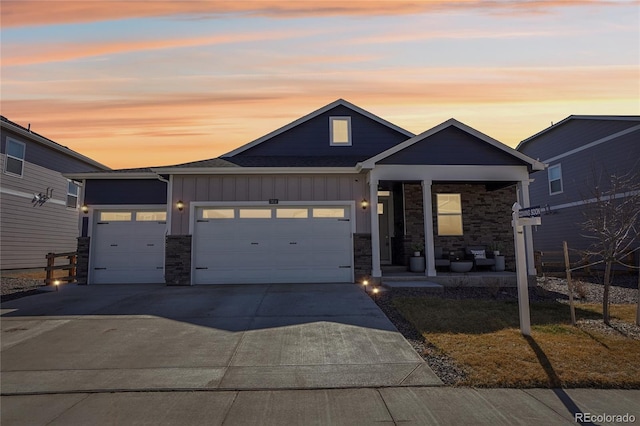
point(295, 161)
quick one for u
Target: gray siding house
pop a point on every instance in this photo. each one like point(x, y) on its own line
point(580, 151)
point(38, 205)
point(330, 197)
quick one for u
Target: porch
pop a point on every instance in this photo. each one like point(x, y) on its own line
point(399, 277)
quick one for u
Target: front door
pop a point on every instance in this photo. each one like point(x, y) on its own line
point(384, 223)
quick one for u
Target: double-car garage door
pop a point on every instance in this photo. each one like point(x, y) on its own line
point(230, 245)
point(280, 244)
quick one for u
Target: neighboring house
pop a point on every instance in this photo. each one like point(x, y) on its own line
point(331, 197)
point(580, 152)
point(39, 207)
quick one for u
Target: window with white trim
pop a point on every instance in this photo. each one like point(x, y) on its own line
point(555, 179)
point(72, 194)
point(449, 212)
point(340, 131)
point(14, 163)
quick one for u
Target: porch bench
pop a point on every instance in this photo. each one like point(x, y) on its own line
point(480, 260)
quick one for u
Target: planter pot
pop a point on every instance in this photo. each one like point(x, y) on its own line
point(496, 253)
point(416, 254)
point(416, 264)
point(499, 264)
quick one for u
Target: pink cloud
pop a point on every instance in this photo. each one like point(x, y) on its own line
point(47, 12)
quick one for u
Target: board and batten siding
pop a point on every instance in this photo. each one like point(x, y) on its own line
point(28, 232)
point(303, 188)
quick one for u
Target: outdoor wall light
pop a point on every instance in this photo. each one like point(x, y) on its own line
point(180, 205)
point(364, 203)
point(85, 209)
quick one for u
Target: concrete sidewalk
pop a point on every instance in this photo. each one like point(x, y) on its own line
point(364, 406)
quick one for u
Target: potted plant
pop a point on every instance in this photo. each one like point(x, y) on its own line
point(417, 249)
point(417, 262)
point(495, 247)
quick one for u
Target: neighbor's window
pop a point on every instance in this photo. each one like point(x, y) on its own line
point(555, 179)
point(449, 210)
point(340, 130)
point(14, 163)
point(72, 194)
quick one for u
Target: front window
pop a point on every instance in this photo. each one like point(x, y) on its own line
point(555, 179)
point(14, 164)
point(340, 130)
point(449, 211)
point(72, 194)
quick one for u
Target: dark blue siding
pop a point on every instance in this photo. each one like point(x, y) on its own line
point(41, 155)
point(125, 191)
point(452, 146)
point(311, 138)
point(571, 135)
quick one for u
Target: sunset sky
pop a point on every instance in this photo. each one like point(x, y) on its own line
point(145, 83)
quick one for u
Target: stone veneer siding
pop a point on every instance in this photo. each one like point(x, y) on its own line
point(177, 263)
point(82, 266)
point(362, 256)
point(486, 218)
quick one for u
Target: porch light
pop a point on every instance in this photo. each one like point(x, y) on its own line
point(180, 205)
point(364, 203)
point(85, 209)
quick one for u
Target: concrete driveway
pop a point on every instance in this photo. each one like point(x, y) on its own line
point(241, 337)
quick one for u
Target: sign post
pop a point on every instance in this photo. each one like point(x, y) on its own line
point(521, 218)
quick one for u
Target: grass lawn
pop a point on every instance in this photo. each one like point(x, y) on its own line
point(483, 337)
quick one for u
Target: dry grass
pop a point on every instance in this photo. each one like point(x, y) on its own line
point(483, 337)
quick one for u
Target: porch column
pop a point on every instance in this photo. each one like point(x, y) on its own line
point(523, 199)
point(376, 272)
point(427, 209)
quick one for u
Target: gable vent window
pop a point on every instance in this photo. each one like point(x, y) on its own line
point(340, 131)
point(72, 194)
point(555, 179)
point(14, 164)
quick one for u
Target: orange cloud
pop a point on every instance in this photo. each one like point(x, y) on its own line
point(28, 54)
point(47, 12)
point(157, 129)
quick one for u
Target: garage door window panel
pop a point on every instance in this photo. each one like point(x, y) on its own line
point(284, 213)
point(151, 216)
point(334, 212)
point(218, 214)
point(116, 216)
point(255, 213)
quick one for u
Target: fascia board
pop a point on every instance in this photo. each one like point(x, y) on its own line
point(255, 170)
point(98, 175)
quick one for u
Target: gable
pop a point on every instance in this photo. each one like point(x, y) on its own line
point(452, 146)
point(573, 133)
point(311, 138)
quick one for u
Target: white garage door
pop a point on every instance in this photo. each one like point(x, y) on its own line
point(284, 244)
point(128, 247)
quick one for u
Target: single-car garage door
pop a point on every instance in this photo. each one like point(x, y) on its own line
point(128, 247)
point(283, 244)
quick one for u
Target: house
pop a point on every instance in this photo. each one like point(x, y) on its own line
point(39, 212)
point(580, 151)
point(330, 197)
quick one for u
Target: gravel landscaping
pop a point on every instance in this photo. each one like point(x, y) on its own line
point(14, 286)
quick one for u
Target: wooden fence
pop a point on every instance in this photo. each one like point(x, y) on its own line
point(72, 262)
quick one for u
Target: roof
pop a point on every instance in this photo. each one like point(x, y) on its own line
point(314, 114)
point(578, 117)
point(33, 136)
point(533, 164)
